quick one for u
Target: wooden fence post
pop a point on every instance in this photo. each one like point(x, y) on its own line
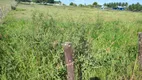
point(140, 50)
point(68, 52)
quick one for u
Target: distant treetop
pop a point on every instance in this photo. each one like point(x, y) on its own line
point(95, 4)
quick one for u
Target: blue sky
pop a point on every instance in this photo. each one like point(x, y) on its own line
point(99, 1)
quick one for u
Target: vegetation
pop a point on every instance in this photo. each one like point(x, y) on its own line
point(23, 0)
point(38, 1)
point(104, 42)
point(95, 4)
point(132, 7)
point(135, 7)
point(73, 4)
point(115, 4)
point(81, 5)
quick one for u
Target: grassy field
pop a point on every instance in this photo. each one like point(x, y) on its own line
point(105, 43)
point(6, 2)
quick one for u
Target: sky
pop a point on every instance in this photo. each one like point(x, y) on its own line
point(101, 2)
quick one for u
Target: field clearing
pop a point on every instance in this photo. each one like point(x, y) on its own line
point(83, 12)
point(105, 43)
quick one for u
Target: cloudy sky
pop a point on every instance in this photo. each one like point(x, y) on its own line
point(99, 1)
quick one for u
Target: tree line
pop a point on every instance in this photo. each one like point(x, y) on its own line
point(37, 1)
point(135, 7)
point(94, 4)
point(115, 4)
point(132, 7)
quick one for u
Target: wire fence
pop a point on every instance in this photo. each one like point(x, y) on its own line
point(68, 52)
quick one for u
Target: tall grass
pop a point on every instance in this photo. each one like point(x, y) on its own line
point(31, 49)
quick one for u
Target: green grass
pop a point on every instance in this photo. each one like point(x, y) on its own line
point(105, 43)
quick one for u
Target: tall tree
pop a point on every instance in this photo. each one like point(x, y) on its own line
point(73, 4)
point(95, 4)
point(138, 6)
point(135, 7)
point(105, 4)
point(120, 4)
point(123, 4)
point(50, 1)
point(126, 4)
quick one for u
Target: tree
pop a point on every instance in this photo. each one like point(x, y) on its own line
point(113, 5)
point(23, 1)
point(105, 4)
point(18, 1)
point(73, 4)
point(135, 7)
point(138, 7)
point(37, 1)
point(120, 4)
point(80, 5)
point(116, 4)
point(126, 4)
point(50, 1)
point(123, 4)
point(95, 4)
